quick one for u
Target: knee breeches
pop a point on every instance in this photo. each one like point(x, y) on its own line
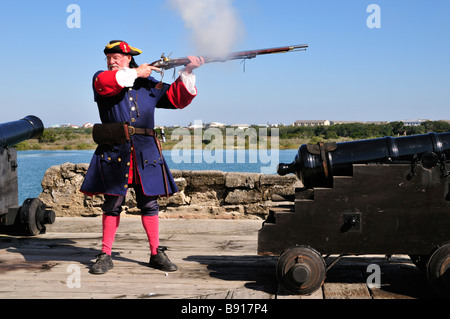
point(147, 204)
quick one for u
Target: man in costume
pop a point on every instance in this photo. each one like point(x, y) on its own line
point(129, 152)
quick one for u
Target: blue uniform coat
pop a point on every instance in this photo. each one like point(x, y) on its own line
point(109, 167)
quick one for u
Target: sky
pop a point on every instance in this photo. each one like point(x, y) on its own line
point(390, 63)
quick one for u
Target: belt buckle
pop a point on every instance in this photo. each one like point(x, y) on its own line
point(131, 130)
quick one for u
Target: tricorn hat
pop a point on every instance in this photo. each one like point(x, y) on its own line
point(119, 46)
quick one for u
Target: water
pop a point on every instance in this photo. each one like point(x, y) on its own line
point(34, 164)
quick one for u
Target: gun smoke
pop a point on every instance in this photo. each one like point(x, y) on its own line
point(215, 24)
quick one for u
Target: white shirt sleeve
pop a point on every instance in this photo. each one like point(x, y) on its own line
point(126, 77)
point(189, 81)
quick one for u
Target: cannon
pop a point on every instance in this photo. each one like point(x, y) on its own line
point(378, 196)
point(30, 218)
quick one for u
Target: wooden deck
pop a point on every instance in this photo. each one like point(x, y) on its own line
point(217, 259)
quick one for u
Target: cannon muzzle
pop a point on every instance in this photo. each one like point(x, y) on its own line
point(315, 165)
point(284, 169)
point(15, 132)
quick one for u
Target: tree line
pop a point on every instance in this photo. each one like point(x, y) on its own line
point(361, 130)
point(81, 138)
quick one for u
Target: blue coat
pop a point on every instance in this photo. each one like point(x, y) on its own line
point(109, 167)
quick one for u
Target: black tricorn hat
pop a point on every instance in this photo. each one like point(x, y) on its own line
point(119, 46)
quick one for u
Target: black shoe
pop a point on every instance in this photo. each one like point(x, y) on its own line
point(102, 264)
point(161, 261)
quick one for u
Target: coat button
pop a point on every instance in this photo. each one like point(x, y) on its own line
point(125, 186)
point(146, 162)
point(109, 158)
point(119, 159)
point(154, 161)
point(128, 164)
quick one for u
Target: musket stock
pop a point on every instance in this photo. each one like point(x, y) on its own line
point(165, 63)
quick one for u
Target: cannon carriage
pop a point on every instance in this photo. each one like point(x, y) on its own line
point(379, 196)
point(33, 215)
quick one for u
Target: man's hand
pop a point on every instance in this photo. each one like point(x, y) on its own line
point(144, 70)
point(196, 62)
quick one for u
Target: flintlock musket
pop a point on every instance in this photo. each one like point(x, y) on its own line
point(166, 63)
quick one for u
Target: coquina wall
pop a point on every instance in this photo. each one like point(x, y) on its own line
point(203, 194)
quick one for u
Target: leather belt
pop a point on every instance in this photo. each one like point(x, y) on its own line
point(145, 131)
point(141, 131)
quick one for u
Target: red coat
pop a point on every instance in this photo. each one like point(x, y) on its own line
point(109, 169)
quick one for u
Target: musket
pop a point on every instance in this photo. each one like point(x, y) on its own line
point(166, 63)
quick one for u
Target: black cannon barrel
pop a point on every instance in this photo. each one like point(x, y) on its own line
point(15, 132)
point(316, 167)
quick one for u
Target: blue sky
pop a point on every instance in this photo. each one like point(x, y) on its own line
point(350, 72)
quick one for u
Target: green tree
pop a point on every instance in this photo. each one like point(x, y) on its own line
point(48, 136)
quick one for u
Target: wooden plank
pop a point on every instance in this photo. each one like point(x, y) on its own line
point(346, 291)
point(216, 259)
point(202, 271)
point(283, 294)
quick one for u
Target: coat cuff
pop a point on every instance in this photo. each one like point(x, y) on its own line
point(106, 84)
point(179, 95)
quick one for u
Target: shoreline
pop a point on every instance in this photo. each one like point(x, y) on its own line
point(88, 144)
point(289, 144)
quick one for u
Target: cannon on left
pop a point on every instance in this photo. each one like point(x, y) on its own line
point(30, 218)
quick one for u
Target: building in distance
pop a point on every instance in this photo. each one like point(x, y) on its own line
point(311, 123)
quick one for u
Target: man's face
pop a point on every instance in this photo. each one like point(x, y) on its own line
point(117, 61)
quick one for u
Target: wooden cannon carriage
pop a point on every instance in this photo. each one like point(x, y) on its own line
point(378, 196)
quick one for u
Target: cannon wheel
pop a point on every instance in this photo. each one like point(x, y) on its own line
point(33, 216)
point(438, 271)
point(301, 270)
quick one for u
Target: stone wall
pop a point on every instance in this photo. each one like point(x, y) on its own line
point(203, 194)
